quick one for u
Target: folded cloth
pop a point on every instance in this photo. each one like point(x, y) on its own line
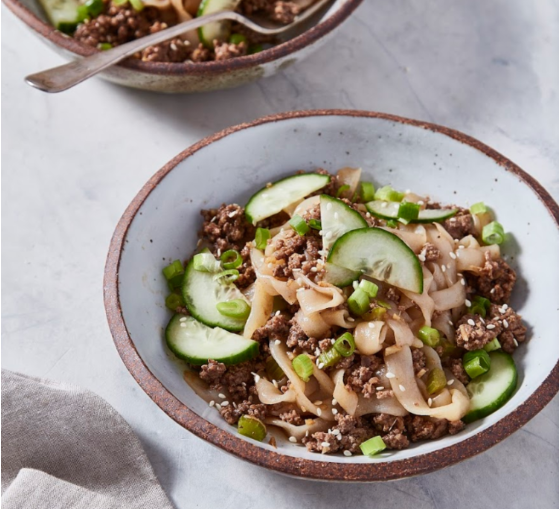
point(65, 447)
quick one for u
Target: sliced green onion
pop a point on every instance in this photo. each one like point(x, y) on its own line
point(447, 348)
point(392, 224)
point(493, 233)
point(261, 238)
point(227, 276)
point(329, 358)
point(369, 287)
point(299, 225)
point(83, 14)
point(408, 211)
point(342, 190)
point(273, 370)
point(478, 208)
point(378, 313)
point(358, 302)
point(315, 224)
point(429, 336)
point(436, 380)
point(252, 427)
point(94, 7)
point(345, 345)
point(174, 301)
point(174, 274)
point(237, 38)
point(236, 309)
point(372, 446)
point(367, 191)
point(479, 306)
point(120, 2)
point(303, 367)
point(390, 194)
point(138, 5)
point(231, 259)
point(205, 262)
point(104, 46)
point(476, 362)
point(494, 345)
point(255, 48)
point(384, 304)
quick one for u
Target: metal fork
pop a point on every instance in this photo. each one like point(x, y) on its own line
point(66, 76)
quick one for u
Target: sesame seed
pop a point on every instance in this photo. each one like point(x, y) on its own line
point(212, 403)
point(505, 306)
point(221, 395)
point(277, 342)
point(318, 411)
point(443, 267)
point(333, 341)
point(278, 312)
point(293, 439)
point(328, 235)
point(256, 377)
point(325, 444)
point(468, 302)
point(351, 319)
point(461, 246)
point(450, 382)
point(490, 326)
point(314, 269)
point(390, 375)
point(492, 290)
point(275, 383)
point(402, 388)
point(317, 351)
point(482, 320)
point(451, 323)
point(320, 233)
point(334, 411)
point(515, 342)
point(505, 323)
point(430, 402)
point(218, 407)
point(318, 403)
point(471, 322)
point(225, 403)
point(371, 324)
point(334, 401)
point(232, 214)
point(321, 365)
point(379, 388)
point(421, 257)
point(368, 214)
point(347, 453)
point(452, 255)
point(462, 281)
point(213, 219)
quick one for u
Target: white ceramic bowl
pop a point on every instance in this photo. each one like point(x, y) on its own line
point(162, 221)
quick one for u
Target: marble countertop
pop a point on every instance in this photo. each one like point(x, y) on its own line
point(73, 161)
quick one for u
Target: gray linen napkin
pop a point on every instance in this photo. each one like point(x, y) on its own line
point(65, 447)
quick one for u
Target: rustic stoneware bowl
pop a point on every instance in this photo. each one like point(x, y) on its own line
point(161, 224)
point(190, 77)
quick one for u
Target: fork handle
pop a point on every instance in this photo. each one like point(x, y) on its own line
point(66, 76)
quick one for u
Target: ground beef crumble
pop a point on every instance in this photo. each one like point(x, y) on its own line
point(232, 412)
point(473, 332)
point(296, 252)
point(495, 281)
point(292, 416)
point(392, 430)
point(512, 330)
point(456, 366)
point(461, 225)
point(235, 380)
point(297, 339)
point(360, 377)
point(419, 360)
point(226, 228)
point(421, 427)
point(430, 252)
point(277, 328)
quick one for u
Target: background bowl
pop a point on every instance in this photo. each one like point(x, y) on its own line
point(161, 224)
point(191, 77)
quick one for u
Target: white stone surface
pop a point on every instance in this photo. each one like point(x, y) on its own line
point(72, 162)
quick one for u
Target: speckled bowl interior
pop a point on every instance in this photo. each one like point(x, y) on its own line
point(161, 225)
point(201, 77)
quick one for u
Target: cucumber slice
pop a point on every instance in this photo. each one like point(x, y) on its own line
point(337, 218)
point(202, 293)
point(340, 276)
point(389, 211)
point(196, 343)
point(381, 255)
point(220, 30)
point(280, 194)
point(491, 390)
point(63, 14)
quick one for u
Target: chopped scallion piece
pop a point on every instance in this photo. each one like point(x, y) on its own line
point(494, 345)
point(408, 211)
point(392, 224)
point(227, 276)
point(390, 194)
point(303, 367)
point(174, 301)
point(329, 358)
point(436, 380)
point(429, 336)
point(252, 427)
point(299, 225)
point(174, 274)
point(342, 190)
point(205, 262)
point(384, 304)
point(138, 5)
point(476, 363)
point(119, 2)
point(480, 306)
point(237, 38)
point(231, 259)
point(273, 370)
point(493, 233)
point(261, 238)
point(94, 7)
point(367, 191)
point(104, 46)
point(358, 302)
point(378, 313)
point(83, 14)
point(236, 309)
point(345, 345)
point(478, 208)
point(372, 446)
point(315, 224)
point(447, 348)
point(369, 287)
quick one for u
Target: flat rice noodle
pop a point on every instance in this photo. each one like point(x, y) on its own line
point(469, 259)
point(414, 240)
point(306, 205)
point(300, 431)
point(317, 298)
point(441, 322)
point(455, 384)
point(350, 177)
point(452, 297)
point(400, 363)
point(469, 242)
point(403, 334)
point(279, 353)
point(480, 220)
point(262, 304)
point(269, 394)
point(313, 325)
point(326, 384)
point(338, 317)
point(287, 290)
point(442, 240)
point(439, 281)
point(347, 399)
point(442, 398)
point(493, 249)
point(388, 405)
point(424, 301)
point(369, 337)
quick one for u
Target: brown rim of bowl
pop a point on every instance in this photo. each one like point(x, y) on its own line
point(197, 69)
point(378, 471)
